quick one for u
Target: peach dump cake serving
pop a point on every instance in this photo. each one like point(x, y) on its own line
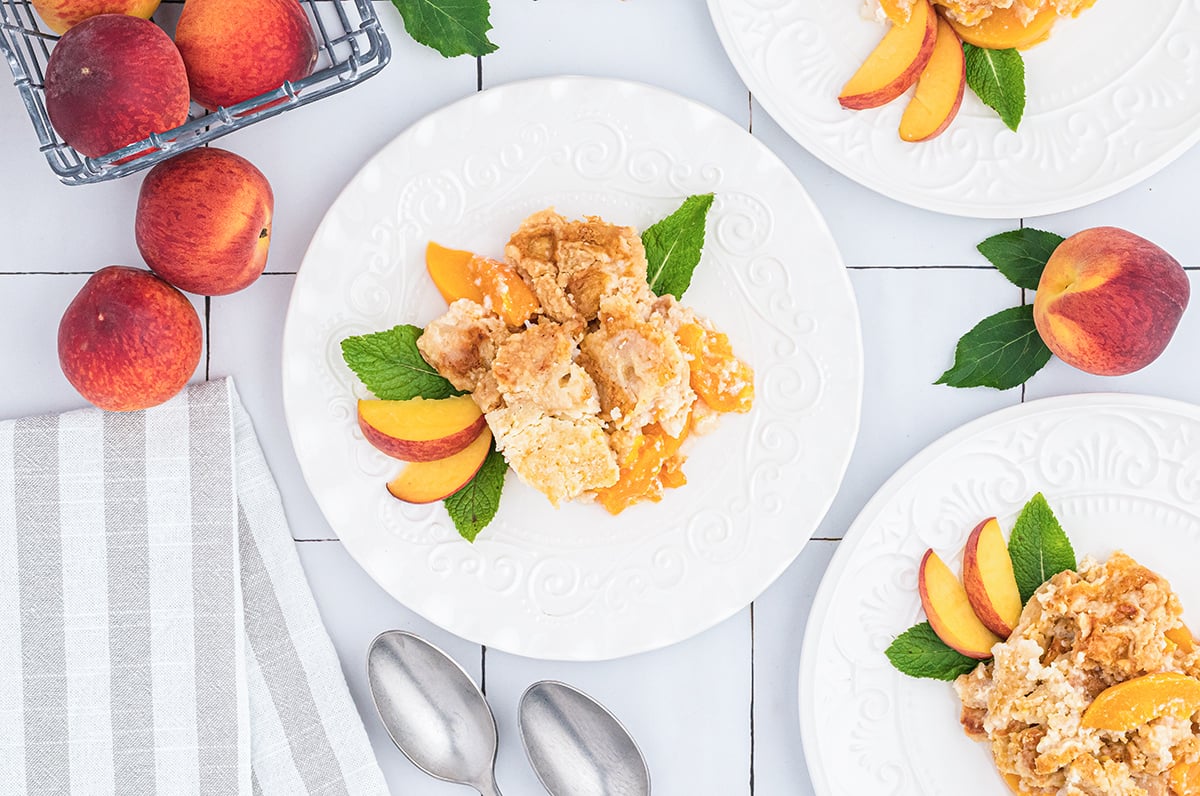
point(571, 353)
point(1094, 687)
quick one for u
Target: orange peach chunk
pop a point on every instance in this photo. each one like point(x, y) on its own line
point(1184, 779)
point(1182, 638)
point(461, 274)
point(724, 382)
point(895, 64)
point(1003, 29)
point(1128, 705)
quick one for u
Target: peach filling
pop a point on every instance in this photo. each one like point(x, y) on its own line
point(496, 285)
point(723, 381)
point(653, 463)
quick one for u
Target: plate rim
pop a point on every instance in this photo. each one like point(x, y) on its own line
point(821, 224)
point(1024, 209)
point(887, 491)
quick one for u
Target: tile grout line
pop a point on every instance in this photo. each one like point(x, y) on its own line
point(752, 686)
point(207, 335)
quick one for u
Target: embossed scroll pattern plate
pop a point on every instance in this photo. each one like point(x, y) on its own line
point(1111, 99)
point(1120, 471)
point(576, 583)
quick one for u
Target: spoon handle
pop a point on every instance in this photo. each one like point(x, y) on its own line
point(488, 787)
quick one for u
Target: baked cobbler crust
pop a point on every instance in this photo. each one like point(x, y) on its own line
point(1080, 633)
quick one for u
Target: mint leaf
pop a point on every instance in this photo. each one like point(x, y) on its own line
point(392, 367)
point(473, 507)
point(1021, 255)
point(998, 78)
point(1038, 546)
point(673, 246)
point(1002, 351)
point(452, 27)
point(918, 652)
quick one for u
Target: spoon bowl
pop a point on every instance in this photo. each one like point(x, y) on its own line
point(433, 711)
point(576, 747)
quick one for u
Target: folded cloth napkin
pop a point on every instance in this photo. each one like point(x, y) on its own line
point(157, 634)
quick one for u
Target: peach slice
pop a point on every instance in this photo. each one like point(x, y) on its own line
point(421, 429)
point(1125, 706)
point(425, 482)
point(1184, 779)
point(1003, 29)
point(989, 581)
point(949, 611)
point(895, 64)
point(940, 89)
point(461, 274)
point(1014, 784)
point(1183, 639)
point(448, 269)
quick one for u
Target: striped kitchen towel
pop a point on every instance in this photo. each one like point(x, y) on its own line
point(157, 634)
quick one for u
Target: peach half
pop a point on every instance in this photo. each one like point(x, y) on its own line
point(940, 89)
point(896, 63)
point(426, 482)
point(1109, 301)
point(989, 581)
point(949, 610)
point(421, 429)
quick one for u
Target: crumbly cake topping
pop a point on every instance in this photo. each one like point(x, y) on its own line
point(569, 396)
point(1080, 633)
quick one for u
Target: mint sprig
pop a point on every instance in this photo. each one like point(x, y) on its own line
point(1021, 254)
point(392, 368)
point(918, 652)
point(473, 507)
point(1001, 351)
point(673, 246)
point(452, 27)
point(1038, 546)
point(998, 78)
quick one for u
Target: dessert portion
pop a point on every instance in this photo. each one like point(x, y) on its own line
point(1096, 691)
point(588, 381)
point(972, 12)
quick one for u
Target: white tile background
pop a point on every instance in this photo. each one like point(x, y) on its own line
point(716, 714)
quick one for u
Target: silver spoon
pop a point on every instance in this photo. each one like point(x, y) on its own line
point(433, 710)
point(576, 747)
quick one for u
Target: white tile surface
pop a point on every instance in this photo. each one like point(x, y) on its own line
point(920, 284)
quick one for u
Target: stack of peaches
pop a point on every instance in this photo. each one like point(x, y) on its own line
point(925, 48)
point(115, 77)
point(130, 339)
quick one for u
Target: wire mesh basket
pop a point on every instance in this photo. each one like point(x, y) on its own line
point(351, 47)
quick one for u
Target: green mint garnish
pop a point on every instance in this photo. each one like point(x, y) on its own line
point(392, 368)
point(1002, 351)
point(473, 507)
point(673, 246)
point(1021, 254)
point(918, 652)
point(1039, 547)
point(452, 27)
point(998, 78)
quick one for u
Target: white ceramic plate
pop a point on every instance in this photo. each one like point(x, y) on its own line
point(576, 583)
point(1111, 99)
point(1120, 471)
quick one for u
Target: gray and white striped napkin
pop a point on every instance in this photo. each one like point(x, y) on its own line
point(157, 634)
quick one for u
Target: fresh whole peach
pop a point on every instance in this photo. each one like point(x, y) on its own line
point(203, 221)
point(62, 15)
point(238, 49)
point(1108, 301)
point(128, 340)
point(113, 79)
